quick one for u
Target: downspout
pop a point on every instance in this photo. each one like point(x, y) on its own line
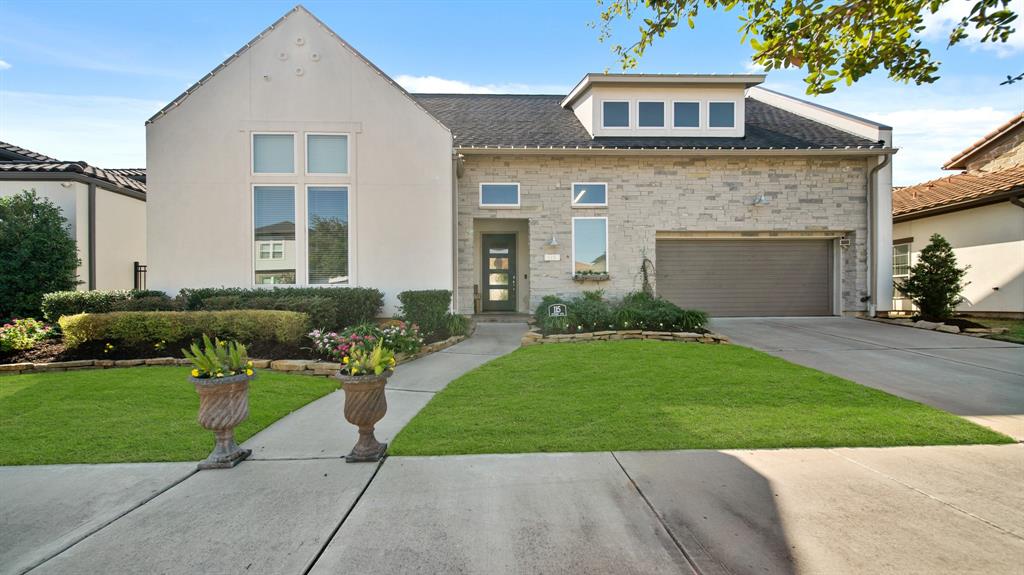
point(457, 170)
point(92, 237)
point(872, 232)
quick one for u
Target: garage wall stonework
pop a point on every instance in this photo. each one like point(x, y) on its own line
point(663, 193)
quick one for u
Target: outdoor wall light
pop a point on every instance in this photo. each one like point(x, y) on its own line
point(554, 242)
point(760, 200)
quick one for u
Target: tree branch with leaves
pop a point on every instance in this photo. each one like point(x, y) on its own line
point(834, 41)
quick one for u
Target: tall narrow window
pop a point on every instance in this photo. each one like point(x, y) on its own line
point(590, 245)
point(326, 154)
point(651, 114)
point(722, 115)
point(686, 114)
point(328, 221)
point(615, 114)
point(273, 154)
point(274, 221)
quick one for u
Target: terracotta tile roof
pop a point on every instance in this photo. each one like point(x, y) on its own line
point(80, 168)
point(137, 174)
point(955, 163)
point(17, 153)
point(965, 188)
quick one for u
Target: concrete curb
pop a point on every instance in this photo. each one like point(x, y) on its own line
point(936, 326)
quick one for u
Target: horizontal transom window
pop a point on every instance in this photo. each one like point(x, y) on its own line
point(590, 194)
point(273, 153)
point(501, 194)
point(326, 154)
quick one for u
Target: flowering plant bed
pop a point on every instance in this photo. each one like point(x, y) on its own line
point(535, 336)
point(590, 277)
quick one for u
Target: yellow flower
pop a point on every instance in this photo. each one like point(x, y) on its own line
point(195, 373)
point(249, 363)
point(248, 372)
point(355, 371)
point(220, 374)
point(344, 359)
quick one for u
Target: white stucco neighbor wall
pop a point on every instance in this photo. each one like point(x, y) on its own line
point(120, 239)
point(299, 78)
point(73, 200)
point(990, 239)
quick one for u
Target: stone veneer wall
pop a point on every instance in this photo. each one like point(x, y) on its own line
point(1009, 152)
point(664, 193)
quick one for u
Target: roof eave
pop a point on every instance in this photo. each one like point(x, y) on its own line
point(74, 177)
point(605, 151)
point(930, 211)
point(588, 80)
point(958, 162)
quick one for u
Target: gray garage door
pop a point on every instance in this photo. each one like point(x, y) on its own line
point(747, 277)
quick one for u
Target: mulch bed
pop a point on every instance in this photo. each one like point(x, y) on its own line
point(960, 322)
point(54, 350)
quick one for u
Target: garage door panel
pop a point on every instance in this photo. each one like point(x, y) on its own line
point(747, 277)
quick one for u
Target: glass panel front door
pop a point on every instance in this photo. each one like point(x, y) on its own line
point(499, 273)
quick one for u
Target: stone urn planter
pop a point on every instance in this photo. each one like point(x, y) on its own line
point(223, 404)
point(365, 405)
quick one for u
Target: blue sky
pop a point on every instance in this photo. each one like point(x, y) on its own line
point(79, 79)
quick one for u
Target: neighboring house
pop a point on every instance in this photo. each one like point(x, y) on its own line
point(980, 211)
point(747, 202)
point(105, 209)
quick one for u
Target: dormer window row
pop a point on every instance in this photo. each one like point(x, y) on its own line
point(679, 115)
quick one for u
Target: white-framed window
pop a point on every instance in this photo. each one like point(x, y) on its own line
point(273, 153)
point(686, 114)
point(650, 114)
point(499, 195)
point(327, 154)
point(721, 114)
point(328, 235)
point(901, 261)
point(271, 250)
point(274, 223)
point(590, 245)
point(615, 114)
point(589, 194)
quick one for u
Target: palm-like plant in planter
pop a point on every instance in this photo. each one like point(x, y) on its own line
point(221, 372)
point(365, 368)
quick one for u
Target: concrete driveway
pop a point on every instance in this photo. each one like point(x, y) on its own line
point(978, 378)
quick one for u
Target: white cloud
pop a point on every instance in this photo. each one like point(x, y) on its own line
point(751, 67)
point(941, 23)
point(4, 65)
point(437, 85)
point(105, 131)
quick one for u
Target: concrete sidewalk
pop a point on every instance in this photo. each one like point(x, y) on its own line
point(272, 514)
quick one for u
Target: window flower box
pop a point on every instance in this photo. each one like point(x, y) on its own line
point(590, 277)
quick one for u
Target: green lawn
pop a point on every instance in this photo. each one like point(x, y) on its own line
point(1016, 327)
point(129, 414)
point(640, 395)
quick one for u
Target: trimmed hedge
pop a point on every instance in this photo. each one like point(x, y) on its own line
point(140, 327)
point(426, 308)
point(637, 310)
point(57, 304)
point(332, 308)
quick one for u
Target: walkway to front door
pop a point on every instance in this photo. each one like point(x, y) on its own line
point(499, 271)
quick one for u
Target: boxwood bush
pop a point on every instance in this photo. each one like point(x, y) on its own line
point(428, 309)
point(141, 327)
point(637, 310)
point(332, 308)
point(56, 304)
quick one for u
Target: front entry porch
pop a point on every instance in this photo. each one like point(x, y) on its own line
point(501, 266)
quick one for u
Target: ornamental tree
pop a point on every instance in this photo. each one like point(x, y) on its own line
point(837, 40)
point(935, 282)
point(38, 253)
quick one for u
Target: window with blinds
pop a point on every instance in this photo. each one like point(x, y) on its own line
point(273, 154)
point(326, 154)
point(327, 220)
point(273, 225)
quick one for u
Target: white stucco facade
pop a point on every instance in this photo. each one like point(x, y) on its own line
point(989, 239)
point(299, 78)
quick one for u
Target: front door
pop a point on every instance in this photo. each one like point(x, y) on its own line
point(499, 267)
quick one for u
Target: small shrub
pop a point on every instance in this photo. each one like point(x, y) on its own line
point(38, 254)
point(333, 307)
point(457, 324)
point(428, 309)
point(160, 302)
point(637, 310)
point(57, 304)
point(22, 334)
point(935, 281)
point(139, 327)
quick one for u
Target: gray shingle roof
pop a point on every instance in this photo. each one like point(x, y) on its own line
point(10, 152)
point(79, 168)
point(490, 120)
